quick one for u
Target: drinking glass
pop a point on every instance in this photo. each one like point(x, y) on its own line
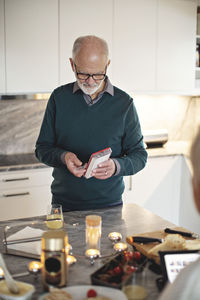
point(54, 217)
point(136, 288)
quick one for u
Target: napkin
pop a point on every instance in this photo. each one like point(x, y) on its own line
point(28, 247)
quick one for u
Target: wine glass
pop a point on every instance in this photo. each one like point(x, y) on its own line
point(54, 217)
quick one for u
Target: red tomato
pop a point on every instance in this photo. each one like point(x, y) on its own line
point(130, 269)
point(137, 255)
point(117, 270)
point(91, 293)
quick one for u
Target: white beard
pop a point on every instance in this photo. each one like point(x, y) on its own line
point(87, 89)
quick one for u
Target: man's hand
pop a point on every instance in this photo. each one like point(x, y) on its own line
point(105, 169)
point(74, 164)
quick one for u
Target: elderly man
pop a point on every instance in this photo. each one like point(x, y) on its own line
point(187, 284)
point(82, 118)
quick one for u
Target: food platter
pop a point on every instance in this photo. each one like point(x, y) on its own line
point(79, 292)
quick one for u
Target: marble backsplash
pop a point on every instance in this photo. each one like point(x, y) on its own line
point(20, 120)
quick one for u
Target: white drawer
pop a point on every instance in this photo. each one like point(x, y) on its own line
point(25, 178)
point(21, 203)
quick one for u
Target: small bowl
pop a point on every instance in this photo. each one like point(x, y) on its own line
point(25, 293)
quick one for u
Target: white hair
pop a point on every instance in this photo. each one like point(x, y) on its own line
point(195, 157)
point(86, 39)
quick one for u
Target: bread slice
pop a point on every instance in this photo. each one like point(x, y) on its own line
point(192, 244)
point(171, 242)
point(57, 294)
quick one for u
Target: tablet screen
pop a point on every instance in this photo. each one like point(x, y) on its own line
point(173, 263)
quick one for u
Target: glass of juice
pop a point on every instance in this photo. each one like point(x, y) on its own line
point(54, 217)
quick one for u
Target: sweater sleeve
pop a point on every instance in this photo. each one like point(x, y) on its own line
point(134, 155)
point(46, 148)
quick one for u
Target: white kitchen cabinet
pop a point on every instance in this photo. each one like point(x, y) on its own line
point(31, 45)
point(134, 44)
point(156, 187)
point(188, 215)
point(176, 46)
point(154, 45)
point(2, 50)
point(25, 193)
point(78, 18)
point(164, 187)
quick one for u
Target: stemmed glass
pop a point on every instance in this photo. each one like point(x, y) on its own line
point(54, 217)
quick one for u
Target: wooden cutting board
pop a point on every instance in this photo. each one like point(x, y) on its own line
point(144, 248)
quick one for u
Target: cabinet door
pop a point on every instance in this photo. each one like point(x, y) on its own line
point(176, 45)
point(78, 18)
point(25, 203)
point(134, 44)
point(157, 187)
point(31, 45)
point(2, 50)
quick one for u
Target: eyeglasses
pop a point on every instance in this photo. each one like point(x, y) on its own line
point(84, 76)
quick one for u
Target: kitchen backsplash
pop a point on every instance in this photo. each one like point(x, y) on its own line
point(20, 120)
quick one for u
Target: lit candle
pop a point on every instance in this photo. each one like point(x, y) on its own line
point(119, 247)
point(1, 273)
point(35, 267)
point(71, 259)
point(115, 237)
point(92, 254)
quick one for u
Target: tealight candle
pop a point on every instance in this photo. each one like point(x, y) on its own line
point(35, 267)
point(115, 236)
point(1, 274)
point(119, 247)
point(92, 254)
point(71, 259)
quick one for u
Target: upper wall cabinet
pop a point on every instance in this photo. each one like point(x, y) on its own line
point(151, 42)
point(78, 18)
point(154, 45)
point(134, 44)
point(2, 49)
point(176, 45)
point(31, 45)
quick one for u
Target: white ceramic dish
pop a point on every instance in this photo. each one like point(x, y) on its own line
point(79, 292)
point(26, 291)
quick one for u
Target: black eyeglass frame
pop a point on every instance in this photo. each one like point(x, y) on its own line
point(103, 75)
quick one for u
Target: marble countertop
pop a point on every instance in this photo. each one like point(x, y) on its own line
point(13, 162)
point(127, 219)
point(170, 148)
point(29, 161)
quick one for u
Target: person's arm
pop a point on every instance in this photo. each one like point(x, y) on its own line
point(134, 155)
point(47, 150)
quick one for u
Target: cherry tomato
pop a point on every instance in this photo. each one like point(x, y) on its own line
point(117, 270)
point(137, 255)
point(130, 269)
point(91, 293)
point(128, 255)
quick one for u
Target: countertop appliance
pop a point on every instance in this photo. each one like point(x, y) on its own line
point(155, 138)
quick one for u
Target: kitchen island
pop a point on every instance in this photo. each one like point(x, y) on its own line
point(127, 219)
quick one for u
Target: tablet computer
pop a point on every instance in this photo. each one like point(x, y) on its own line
point(172, 262)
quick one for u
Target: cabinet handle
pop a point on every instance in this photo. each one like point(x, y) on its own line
point(15, 179)
point(130, 183)
point(17, 194)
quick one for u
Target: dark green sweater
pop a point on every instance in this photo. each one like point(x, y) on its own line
point(71, 125)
